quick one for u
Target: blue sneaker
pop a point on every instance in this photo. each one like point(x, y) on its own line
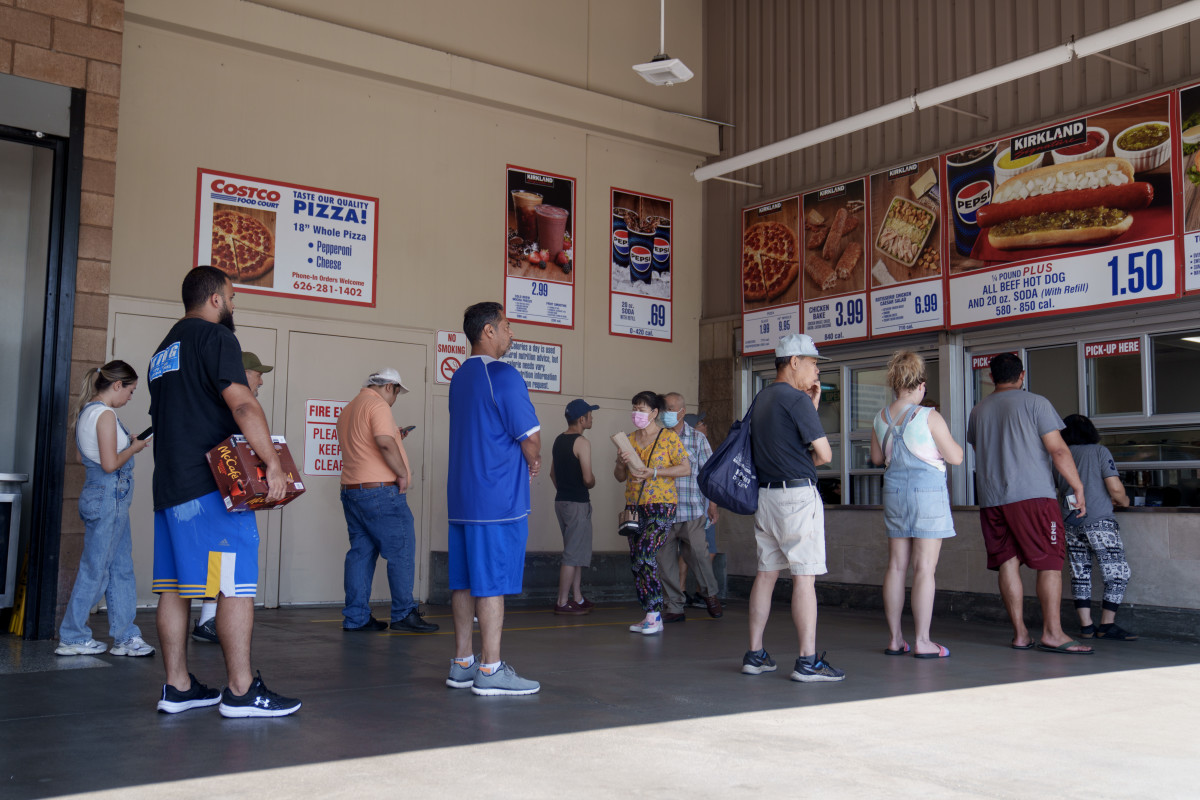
point(462, 677)
point(757, 663)
point(819, 671)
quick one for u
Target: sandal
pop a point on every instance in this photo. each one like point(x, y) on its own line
point(1115, 631)
point(1087, 632)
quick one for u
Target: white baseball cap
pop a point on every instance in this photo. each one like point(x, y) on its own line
point(798, 344)
point(384, 377)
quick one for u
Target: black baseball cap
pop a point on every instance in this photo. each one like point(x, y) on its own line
point(577, 408)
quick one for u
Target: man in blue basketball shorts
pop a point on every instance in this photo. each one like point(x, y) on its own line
point(495, 450)
point(199, 398)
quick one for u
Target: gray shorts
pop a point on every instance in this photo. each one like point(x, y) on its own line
point(575, 520)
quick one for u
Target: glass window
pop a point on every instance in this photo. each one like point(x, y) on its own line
point(870, 393)
point(830, 410)
point(933, 386)
point(981, 376)
point(1053, 372)
point(1114, 376)
point(1158, 467)
point(1176, 370)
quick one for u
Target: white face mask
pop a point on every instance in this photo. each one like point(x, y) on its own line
point(640, 419)
point(670, 419)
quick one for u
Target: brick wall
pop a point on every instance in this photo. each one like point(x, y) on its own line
point(77, 43)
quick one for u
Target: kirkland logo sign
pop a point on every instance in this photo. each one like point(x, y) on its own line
point(1052, 138)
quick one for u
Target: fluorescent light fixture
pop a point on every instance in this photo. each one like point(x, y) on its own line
point(1193, 339)
point(1023, 67)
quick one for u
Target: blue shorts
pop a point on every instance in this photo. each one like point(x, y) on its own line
point(488, 560)
point(200, 549)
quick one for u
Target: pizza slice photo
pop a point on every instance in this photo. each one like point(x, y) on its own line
point(770, 261)
point(243, 246)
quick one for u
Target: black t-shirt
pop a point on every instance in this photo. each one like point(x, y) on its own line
point(193, 365)
point(567, 472)
point(783, 425)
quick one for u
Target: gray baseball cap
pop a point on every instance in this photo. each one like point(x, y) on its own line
point(798, 344)
point(384, 377)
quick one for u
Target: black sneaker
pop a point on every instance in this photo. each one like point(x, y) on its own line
point(173, 701)
point(414, 624)
point(1115, 631)
point(818, 671)
point(694, 601)
point(757, 663)
point(371, 624)
point(259, 701)
point(205, 632)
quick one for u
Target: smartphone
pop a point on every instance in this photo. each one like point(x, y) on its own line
point(408, 430)
point(146, 434)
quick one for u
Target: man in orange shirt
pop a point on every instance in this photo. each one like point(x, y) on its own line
point(375, 476)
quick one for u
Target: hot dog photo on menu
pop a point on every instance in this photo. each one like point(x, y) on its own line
point(1055, 191)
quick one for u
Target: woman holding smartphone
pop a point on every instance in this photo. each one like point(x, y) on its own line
point(107, 451)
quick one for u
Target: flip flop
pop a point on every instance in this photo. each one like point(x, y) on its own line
point(1064, 648)
point(943, 652)
point(1021, 646)
point(902, 651)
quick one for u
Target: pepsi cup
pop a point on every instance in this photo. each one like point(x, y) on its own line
point(639, 263)
point(661, 251)
point(971, 175)
point(620, 248)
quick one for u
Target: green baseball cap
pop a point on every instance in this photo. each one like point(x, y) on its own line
point(251, 361)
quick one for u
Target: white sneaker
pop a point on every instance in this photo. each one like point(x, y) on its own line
point(647, 627)
point(89, 648)
point(133, 647)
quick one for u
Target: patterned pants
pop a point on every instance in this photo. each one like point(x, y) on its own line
point(1102, 537)
point(656, 519)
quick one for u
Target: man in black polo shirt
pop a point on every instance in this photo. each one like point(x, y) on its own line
point(789, 526)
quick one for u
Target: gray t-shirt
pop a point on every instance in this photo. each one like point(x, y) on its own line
point(1011, 462)
point(1094, 463)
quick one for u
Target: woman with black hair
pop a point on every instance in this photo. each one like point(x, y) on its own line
point(1097, 532)
point(650, 493)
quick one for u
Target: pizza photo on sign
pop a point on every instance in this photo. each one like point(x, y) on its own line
point(834, 241)
point(770, 255)
point(243, 244)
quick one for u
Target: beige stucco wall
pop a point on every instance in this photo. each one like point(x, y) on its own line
point(253, 90)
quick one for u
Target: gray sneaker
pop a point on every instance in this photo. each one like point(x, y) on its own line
point(134, 646)
point(503, 681)
point(462, 677)
point(89, 648)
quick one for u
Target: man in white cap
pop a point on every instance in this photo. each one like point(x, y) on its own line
point(789, 526)
point(375, 476)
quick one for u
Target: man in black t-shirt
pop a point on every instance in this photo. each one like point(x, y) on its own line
point(199, 398)
point(789, 527)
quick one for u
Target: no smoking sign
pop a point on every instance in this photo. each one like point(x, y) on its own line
point(451, 352)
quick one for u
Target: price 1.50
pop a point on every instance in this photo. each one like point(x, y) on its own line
point(849, 312)
point(1135, 276)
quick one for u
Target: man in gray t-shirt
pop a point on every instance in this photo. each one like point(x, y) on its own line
point(1016, 439)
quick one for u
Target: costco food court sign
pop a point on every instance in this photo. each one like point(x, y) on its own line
point(285, 239)
point(322, 453)
point(452, 350)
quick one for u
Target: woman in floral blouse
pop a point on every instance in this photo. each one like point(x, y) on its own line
point(651, 493)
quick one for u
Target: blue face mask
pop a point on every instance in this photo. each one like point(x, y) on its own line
point(670, 419)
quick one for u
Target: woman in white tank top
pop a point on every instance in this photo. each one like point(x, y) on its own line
point(106, 565)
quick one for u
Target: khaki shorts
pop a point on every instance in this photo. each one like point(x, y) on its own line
point(789, 531)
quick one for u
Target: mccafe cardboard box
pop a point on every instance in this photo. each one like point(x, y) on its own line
point(242, 477)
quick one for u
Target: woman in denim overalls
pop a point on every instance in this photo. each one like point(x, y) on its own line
point(106, 566)
point(916, 445)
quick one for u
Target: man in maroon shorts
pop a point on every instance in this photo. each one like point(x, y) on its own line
point(1016, 439)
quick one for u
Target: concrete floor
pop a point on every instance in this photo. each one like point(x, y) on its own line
point(618, 713)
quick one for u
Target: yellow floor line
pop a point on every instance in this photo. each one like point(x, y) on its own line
point(506, 613)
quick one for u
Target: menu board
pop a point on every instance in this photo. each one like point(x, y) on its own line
point(835, 273)
point(906, 259)
point(287, 240)
point(1076, 215)
point(539, 251)
point(771, 254)
point(641, 266)
point(1188, 150)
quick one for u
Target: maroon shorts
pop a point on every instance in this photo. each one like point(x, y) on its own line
point(1031, 530)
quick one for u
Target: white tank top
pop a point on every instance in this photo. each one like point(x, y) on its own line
point(85, 431)
point(917, 437)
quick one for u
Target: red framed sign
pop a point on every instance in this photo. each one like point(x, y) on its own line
point(643, 266)
point(539, 248)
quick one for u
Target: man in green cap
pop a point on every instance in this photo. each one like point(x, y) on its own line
point(205, 629)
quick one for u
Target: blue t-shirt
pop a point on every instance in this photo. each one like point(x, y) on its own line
point(490, 415)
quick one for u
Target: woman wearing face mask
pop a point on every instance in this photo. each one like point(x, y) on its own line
point(650, 492)
point(107, 450)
